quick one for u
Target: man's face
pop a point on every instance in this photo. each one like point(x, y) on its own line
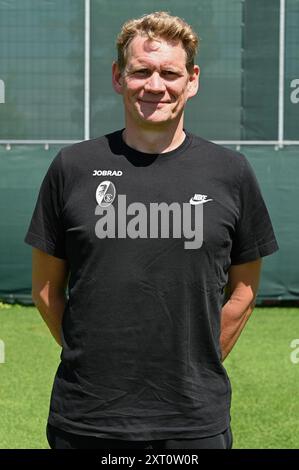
point(155, 83)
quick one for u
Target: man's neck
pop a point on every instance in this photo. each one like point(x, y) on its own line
point(153, 141)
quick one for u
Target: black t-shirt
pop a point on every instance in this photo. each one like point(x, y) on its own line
point(149, 239)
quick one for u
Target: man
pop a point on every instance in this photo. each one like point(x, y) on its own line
point(159, 235)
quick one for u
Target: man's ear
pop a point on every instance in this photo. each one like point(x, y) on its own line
point(193, 84)
point(117, 79)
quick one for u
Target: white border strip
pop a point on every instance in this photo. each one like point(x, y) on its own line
point(87, 72)
point(281, 73)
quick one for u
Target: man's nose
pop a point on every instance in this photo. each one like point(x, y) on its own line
point(155, 84)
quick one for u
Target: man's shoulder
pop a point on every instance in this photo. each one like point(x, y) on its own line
point(217, 151)
point(88, 147)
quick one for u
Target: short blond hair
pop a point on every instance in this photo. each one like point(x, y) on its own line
point(159, 24)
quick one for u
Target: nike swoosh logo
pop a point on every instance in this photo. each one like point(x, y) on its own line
point(194, 201)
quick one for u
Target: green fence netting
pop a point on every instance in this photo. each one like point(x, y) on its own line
point(42, 64)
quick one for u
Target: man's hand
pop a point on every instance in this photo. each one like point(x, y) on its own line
point(243, 282)
point(49, 281)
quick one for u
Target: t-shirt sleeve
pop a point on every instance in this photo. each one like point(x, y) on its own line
point(46, 230)
point(254, 235)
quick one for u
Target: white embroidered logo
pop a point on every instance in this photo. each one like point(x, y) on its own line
point(199, 199)
point(105, 193)
point(107, 173)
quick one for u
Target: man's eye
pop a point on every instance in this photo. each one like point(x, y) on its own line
point(141, 72)
point(169, 73)
point(146, 72)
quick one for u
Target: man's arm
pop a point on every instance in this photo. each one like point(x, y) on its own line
point(49, 281)
point(243, 282)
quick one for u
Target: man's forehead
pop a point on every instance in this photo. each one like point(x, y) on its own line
point(151, 45)
point(145, 44)
point(144, 60)
point(141, 48)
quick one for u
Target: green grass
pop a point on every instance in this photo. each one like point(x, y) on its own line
point(31, 357)
point(265, 383)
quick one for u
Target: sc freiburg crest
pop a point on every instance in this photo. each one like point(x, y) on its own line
point(105, 193)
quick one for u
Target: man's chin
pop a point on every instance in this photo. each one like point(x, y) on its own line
point(154, 119)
